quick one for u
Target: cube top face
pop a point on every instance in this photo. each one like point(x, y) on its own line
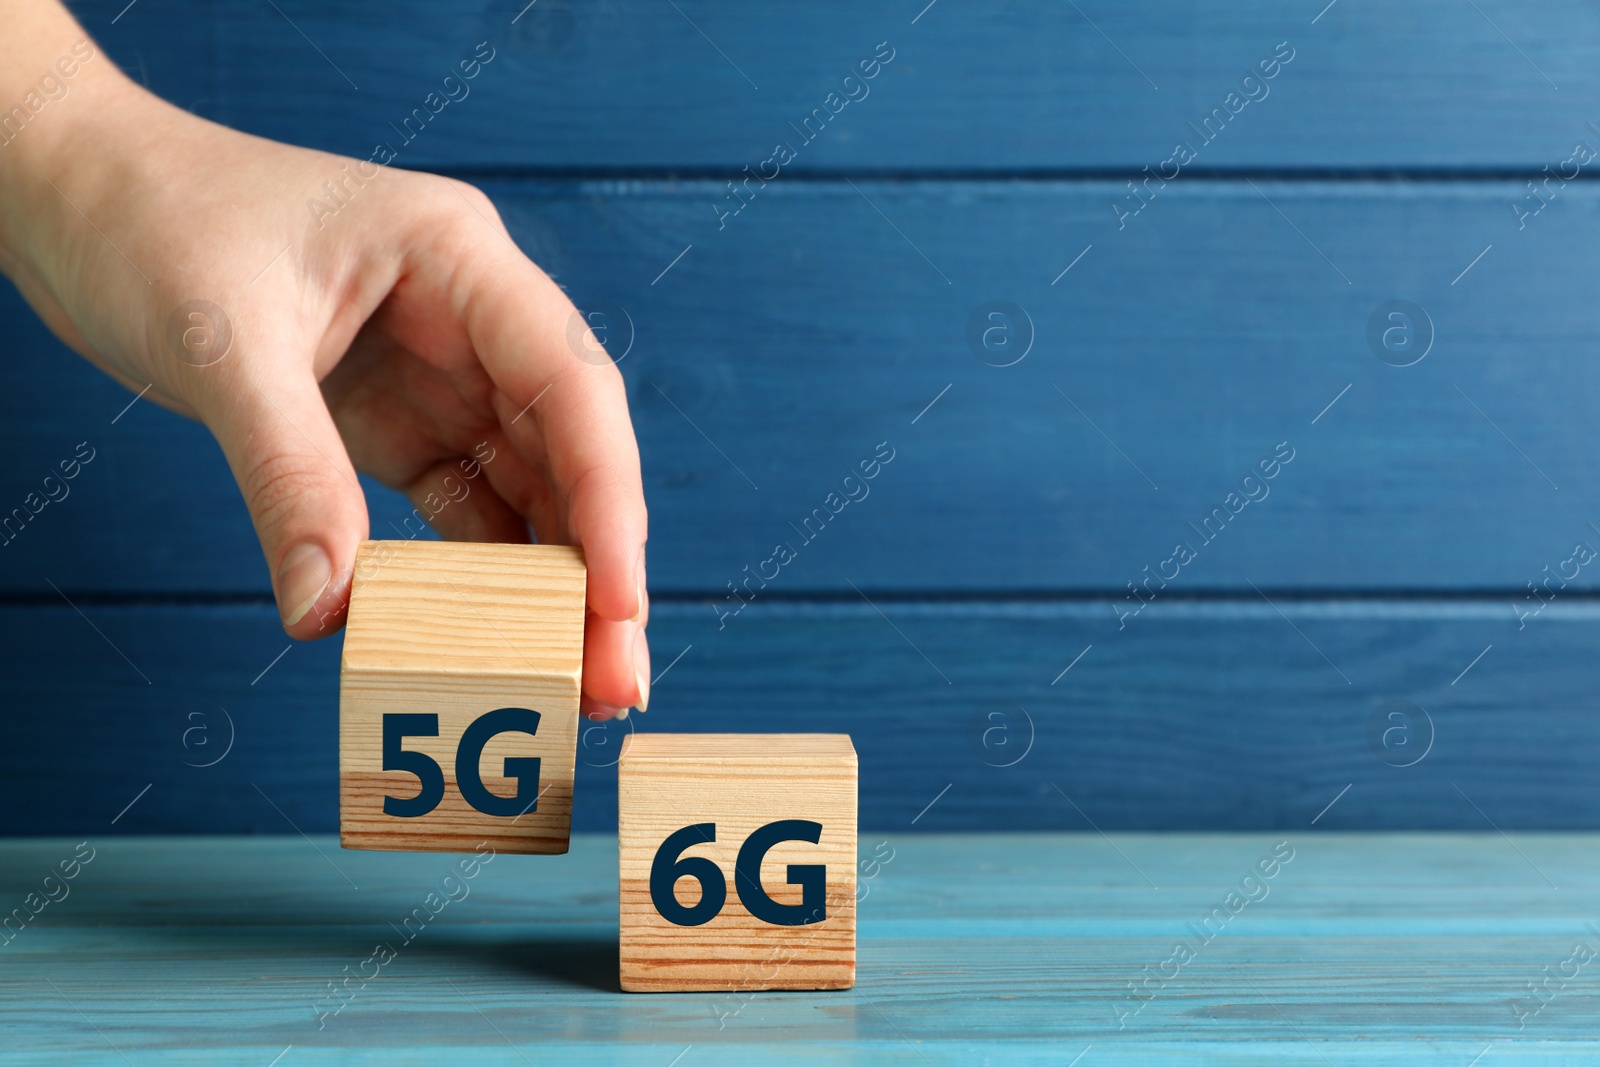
point(458, 697)
point(439, 606)
point(755, 749)
point(737, 856)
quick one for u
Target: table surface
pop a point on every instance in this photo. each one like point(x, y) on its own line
point(1360, 949)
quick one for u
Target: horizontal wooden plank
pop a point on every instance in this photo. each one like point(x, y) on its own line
point(817, 330)
point(997, 948)
point(977, 716)
point(642, 86)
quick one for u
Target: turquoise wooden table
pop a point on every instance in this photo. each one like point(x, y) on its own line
point(1309, 947)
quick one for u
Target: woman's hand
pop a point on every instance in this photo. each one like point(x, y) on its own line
point(395, 330)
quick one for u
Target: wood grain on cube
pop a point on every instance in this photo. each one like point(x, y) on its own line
point(739, 783)
point(460, 630)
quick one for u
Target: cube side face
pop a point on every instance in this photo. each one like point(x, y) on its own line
point(528, 812)
point(735, 949)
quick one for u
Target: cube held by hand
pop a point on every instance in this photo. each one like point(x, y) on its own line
point(458, 697)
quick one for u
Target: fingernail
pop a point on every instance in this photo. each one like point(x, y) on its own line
point(302, 577)
point(641, 669)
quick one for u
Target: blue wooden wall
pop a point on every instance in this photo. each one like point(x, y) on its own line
point(1358, 629)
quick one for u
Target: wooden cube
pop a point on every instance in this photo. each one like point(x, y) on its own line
point(737, 857)
point(458, 697)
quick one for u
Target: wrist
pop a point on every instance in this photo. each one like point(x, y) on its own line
point(64, 137)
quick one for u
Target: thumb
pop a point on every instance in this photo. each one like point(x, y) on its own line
point(301, 489)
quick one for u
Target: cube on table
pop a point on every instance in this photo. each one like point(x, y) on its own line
point(737, 856)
